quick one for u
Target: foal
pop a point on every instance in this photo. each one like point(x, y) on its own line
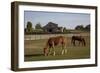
point(54, 41)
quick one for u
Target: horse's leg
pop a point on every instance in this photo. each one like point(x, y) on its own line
point(54, 53)
point(79, 43)
point(74, 42)
point(53, 48)
point(84, 43)
point(49, 52)
point(62, 52)
point(63, 49)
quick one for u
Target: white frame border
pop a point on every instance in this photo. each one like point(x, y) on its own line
point(34, 64)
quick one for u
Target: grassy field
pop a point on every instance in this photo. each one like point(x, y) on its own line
point(34, 50)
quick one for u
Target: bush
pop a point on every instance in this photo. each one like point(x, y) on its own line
point(38, 31)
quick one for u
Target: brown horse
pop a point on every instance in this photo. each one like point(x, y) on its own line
point(54, 41)
point(80, 39)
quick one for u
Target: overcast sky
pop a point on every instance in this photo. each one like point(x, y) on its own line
point(68, 20)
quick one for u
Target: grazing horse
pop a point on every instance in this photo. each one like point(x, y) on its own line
point(54, 41)
point(80, 39)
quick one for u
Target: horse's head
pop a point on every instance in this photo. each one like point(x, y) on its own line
point(45, 50)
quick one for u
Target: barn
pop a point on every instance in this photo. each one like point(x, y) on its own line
point(52, 28)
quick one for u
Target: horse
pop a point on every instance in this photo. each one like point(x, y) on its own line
point(52, 42)
point(80, 39)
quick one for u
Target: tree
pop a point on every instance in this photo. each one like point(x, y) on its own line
point(29, 25)
point(79, 27)
point(38, 26)
point(29, 28)
point(87, 27)
point(64, 29)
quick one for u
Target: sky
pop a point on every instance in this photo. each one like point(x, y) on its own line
point(63, 19)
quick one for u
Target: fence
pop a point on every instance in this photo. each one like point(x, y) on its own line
point(46, 36)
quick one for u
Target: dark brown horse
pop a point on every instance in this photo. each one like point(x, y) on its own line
point(80, 39)
point(53, 42)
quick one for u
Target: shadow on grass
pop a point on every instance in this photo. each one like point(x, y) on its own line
point(34, 55)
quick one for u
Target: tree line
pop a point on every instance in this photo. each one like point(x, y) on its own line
point(39, 28)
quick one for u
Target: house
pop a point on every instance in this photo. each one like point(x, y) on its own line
point(52, 28)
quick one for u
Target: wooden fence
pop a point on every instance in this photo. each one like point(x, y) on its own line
point(46, 36)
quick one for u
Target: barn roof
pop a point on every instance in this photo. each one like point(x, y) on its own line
point(51, 25)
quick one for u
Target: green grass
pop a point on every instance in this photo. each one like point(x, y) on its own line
point(34, 51)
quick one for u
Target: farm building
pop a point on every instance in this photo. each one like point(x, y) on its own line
point(52, 28)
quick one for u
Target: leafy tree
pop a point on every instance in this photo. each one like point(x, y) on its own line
point(87, 27)
point(38, 26)
point(79, 27)
point(64, 29)
point(29, 28)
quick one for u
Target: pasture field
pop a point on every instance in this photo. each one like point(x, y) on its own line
point(34, 50)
